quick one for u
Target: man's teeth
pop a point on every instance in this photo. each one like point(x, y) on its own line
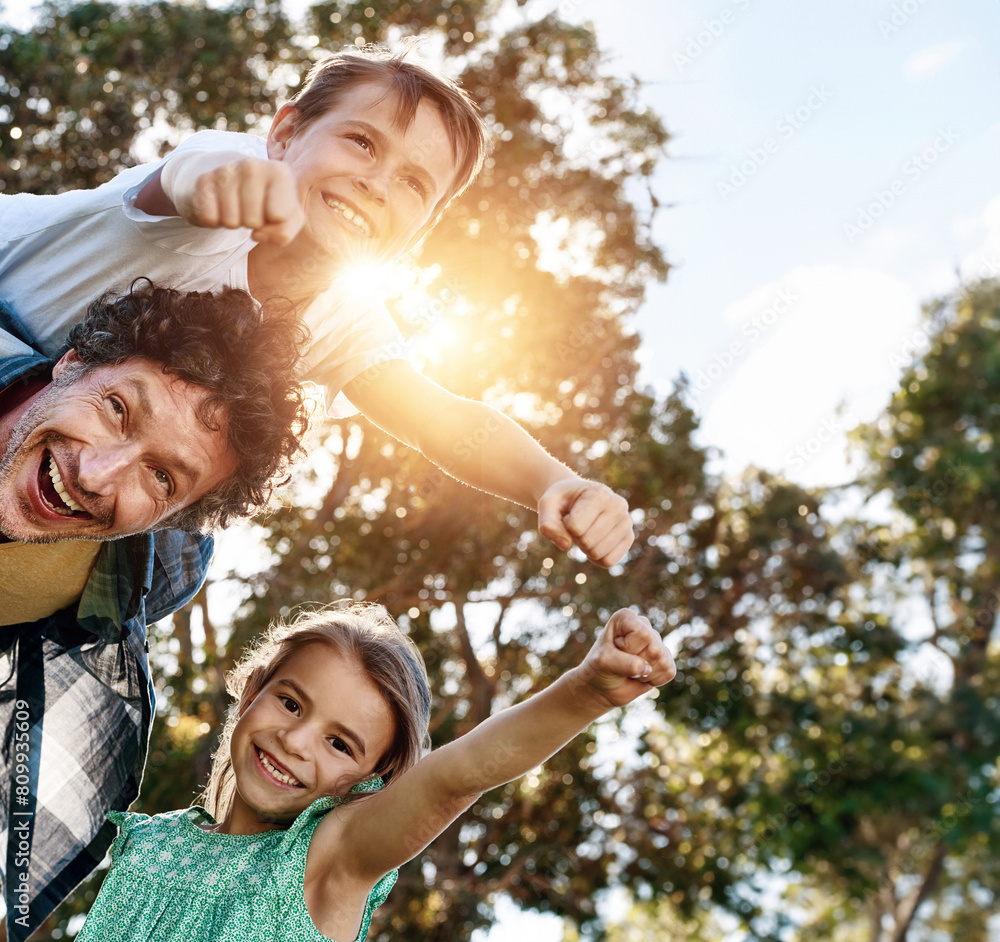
point(356, 219)
point(57, 483)
point(280, 776)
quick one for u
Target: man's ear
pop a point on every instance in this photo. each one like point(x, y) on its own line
point(68, 360)
point(283, 128)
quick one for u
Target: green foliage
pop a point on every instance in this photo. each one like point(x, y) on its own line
point(77, 91)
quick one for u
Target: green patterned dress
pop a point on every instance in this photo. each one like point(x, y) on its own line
point(172, 881)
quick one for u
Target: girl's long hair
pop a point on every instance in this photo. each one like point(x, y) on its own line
point(364, 632)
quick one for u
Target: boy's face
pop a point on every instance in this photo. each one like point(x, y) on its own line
point(368, 188)
point(318, 727)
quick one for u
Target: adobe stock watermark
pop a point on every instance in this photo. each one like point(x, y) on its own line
point(785, 128)
point(698, 43)
point(927, 842)
point(900, 14)
point(754, 327)
point(826, 432)
point(913, 346)
point(989, 267)
point(912, 170)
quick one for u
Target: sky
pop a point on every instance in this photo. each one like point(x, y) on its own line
point(833, 165)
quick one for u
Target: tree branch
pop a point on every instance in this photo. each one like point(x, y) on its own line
point(481, 692)
point(911, 904)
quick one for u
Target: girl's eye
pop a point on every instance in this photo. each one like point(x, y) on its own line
point(363, 142)
point(290, 704)
point(340, 745)
point(415, 184)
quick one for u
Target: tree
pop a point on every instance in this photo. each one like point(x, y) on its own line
point(934, 453)
point(815, 753)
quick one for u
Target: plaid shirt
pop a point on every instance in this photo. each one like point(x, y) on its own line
point(77, 702)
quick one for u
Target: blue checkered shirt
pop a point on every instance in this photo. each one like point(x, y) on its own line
point(77, 702)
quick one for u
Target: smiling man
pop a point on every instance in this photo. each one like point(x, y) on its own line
point(169, 415)
point(100, 453)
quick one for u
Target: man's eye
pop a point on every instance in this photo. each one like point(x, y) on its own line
point(163, 479)
point(117, 406)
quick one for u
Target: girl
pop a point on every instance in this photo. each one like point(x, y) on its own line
point(316, 795)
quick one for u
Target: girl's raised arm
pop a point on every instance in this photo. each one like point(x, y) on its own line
point(387, 829)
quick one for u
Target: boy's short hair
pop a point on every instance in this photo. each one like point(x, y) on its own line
point(410, 80)
point(248, 364)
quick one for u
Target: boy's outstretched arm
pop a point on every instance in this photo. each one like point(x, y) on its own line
point(384, 830)
point(483, 448)
point(227, 190)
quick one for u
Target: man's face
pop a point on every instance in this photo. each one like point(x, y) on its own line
point(108, 452)
point(368, 189)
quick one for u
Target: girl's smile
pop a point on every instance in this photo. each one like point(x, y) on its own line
point(274, 771)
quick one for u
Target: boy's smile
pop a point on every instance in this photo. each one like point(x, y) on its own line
point(317, 728)
point(368, 187)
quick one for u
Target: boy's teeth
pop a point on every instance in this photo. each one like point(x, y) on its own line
point(57, 483)
point(352, 217)
point(280, 776)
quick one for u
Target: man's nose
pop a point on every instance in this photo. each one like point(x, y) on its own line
point(103, 466)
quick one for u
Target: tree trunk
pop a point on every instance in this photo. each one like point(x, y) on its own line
point(182, 632)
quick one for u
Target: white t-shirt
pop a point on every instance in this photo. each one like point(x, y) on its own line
point(58, 253)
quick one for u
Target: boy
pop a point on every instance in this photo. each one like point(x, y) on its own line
point(360, 164)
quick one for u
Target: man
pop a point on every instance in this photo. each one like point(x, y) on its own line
point(358, 166)
point(169, 414)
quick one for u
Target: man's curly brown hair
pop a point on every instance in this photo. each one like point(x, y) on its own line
point(247, 361)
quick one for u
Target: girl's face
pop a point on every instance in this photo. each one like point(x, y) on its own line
point(318, 727)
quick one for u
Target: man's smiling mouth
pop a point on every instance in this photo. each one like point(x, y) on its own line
point(54, 492)
point(354, 218)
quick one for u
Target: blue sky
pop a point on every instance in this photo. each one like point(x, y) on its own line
point(833, 162)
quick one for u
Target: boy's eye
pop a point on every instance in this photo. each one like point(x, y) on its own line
point(362, 141)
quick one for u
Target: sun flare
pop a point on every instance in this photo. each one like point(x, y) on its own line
point(420, 300)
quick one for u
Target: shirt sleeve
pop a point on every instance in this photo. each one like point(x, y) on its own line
point(173, 233)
